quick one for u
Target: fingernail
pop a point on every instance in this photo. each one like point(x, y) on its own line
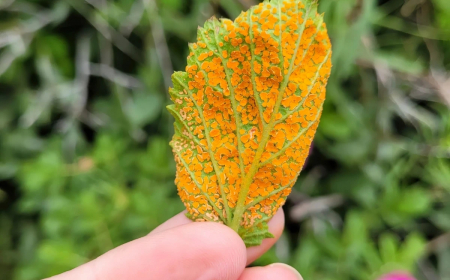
point(294, 271)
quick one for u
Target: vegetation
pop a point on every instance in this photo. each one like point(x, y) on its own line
point(85, 163)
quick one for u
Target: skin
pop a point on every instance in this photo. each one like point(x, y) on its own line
point(182, 250)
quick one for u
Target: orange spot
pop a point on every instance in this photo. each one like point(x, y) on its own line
point(214, 133)
point(203, 56)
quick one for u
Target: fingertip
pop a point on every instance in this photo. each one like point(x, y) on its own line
point(282, 267)
point(274, 271)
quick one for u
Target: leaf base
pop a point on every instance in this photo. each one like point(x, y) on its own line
point(254, 236)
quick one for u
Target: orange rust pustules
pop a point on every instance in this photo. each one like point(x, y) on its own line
point(247, 109)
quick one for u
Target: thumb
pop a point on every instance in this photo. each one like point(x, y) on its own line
point(191, 251)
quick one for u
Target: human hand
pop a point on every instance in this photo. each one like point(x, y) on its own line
point(182, 250)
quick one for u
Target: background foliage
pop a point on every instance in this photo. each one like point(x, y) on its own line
point(85, 163)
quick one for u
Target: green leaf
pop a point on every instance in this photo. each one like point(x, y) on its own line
point(144, 108)
point(399, 62)
point(416, 201)
point(8, 170)
point(247, 109)
point(412, 249)
point(388, 248)
point(56, 49)
point(334, 125)
point(172, 4)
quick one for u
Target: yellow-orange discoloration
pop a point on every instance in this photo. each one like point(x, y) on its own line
point(247, 109)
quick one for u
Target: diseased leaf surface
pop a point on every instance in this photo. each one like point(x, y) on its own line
point(246, 110)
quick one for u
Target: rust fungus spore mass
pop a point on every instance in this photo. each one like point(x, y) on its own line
point(246, 110)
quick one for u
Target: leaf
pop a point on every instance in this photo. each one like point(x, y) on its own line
point(412, 250)
point(389, 248)
point(144, 108)
point(246, 111)
point(399, 62)
point(415, 201)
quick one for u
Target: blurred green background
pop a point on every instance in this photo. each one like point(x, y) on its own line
point(85, 163)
